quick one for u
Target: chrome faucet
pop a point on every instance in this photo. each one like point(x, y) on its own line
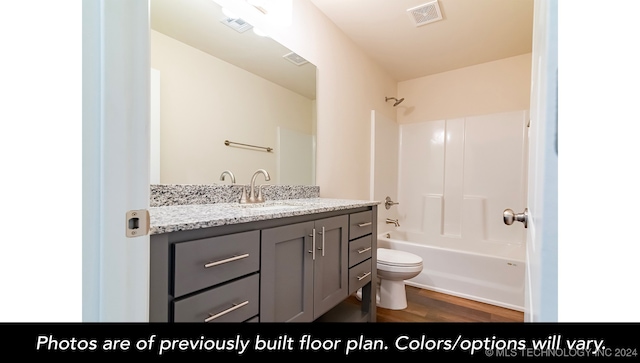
point(393, 221)
point(252, 196)
point(227, 172)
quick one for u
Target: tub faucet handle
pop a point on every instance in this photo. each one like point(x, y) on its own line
point(388, 202)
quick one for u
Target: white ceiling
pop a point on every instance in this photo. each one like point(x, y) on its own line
point(198, 23)
point(471, 32)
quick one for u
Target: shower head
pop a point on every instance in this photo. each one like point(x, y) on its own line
point(393, 98)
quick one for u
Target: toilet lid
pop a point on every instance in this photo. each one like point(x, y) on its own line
point(397, 258)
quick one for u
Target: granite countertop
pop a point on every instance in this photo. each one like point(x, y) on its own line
point(187, 217)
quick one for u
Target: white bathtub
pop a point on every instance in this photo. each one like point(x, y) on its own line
point(492, 273)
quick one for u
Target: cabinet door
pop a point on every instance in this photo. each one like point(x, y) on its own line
point(331, 276)
point(286, 272)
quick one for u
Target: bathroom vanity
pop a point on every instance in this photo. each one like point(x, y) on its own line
point(287, 260)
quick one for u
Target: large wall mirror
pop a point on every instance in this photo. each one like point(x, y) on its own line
point(215, 80)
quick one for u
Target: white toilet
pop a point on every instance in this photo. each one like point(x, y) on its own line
point(393, 268)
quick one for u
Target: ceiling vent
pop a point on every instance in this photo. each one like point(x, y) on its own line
point(237, 24)
point(295, 59)
point(425, 13)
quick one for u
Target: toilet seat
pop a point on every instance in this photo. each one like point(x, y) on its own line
point(395, 258)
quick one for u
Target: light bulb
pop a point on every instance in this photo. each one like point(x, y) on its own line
point(259, 32)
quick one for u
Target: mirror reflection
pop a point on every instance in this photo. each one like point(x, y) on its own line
point(222, 96)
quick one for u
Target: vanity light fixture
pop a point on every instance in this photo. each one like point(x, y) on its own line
point(259, 32)
point(258, 4)
point(277, 12)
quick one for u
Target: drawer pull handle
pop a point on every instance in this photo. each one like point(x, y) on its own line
point(360, 278)
point(224, 312)
point(230, 259)
point(365, 224)
point(363, 250)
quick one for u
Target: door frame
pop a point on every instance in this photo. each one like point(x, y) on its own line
point(115, 166)
point(541, 274)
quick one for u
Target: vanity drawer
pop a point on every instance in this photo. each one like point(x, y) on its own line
point(206, 262)
point(360, 224)
point(359, 275)
point(233, 302)
point(359, 250)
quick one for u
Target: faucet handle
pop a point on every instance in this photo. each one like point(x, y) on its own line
point(243, 197)
point(260, 197)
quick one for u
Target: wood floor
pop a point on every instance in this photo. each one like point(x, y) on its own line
point(430, 306)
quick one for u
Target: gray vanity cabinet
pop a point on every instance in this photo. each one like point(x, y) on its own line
point(294, 269)
point(304, 269)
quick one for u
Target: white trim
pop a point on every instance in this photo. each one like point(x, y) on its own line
point(116, 70)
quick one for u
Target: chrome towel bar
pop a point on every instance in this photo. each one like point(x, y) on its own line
point(229, 143)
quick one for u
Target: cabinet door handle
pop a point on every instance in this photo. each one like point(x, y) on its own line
point(313, 244)
point(365, 224)
point(323, 241)
point(360, 278)
point(230, 259)
point(227, 311)
point(363, 250)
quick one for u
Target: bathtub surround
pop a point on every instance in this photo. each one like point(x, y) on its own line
point(195, 194)
point(455, 178)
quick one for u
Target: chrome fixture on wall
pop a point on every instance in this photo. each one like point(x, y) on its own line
point(386, 99)
point(388, 202)
point(229, 143)
point(393, 221)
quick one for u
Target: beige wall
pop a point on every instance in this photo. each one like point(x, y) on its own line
point(204, 101)
point(500, 86)
point(350, 85)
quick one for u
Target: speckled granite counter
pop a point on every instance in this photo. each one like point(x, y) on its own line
point(188, 194)
point(187, 217)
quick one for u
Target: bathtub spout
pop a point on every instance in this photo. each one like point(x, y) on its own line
point(393, 221)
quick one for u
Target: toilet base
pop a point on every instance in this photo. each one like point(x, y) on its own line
point(359, 296)
point(392, 294)
point(389, 295)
